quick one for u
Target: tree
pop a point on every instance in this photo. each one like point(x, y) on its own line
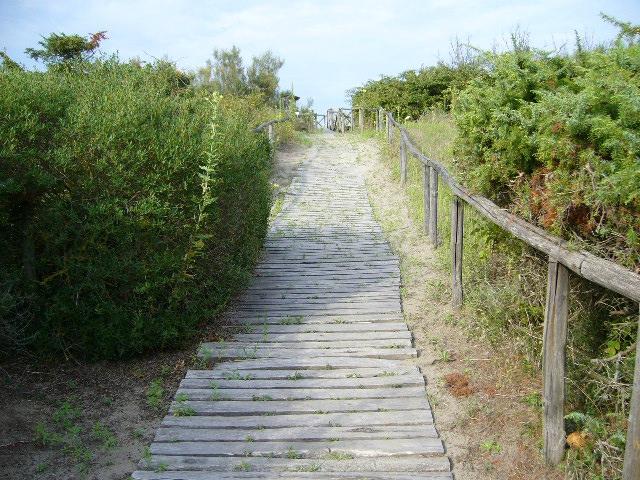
point(226, 72)
point(9, 63)
point(60, 48)
point(262, 75)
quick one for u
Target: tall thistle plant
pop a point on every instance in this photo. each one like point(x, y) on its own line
point(199, 236)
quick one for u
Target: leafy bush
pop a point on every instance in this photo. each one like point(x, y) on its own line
point(555, 138)
point(415, 92)
point(131, 206)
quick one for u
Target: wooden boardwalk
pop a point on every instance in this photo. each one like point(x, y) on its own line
point(321, 384)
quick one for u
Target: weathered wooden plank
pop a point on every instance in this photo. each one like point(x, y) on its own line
point(554, 344)
point(287, 318)
point(360, 448)
point(329, 419)
point(240, 407)
point(218, 353)
point(346, 328)
point(177, 434)
point(273, 394)
point(310, 344)
point(415, 465)
point(316, 336)
point(314, 363)
point(197, 475)
point(227, 371)
point(297, 381)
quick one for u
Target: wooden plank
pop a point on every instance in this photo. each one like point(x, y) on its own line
point(554, 344)
point(306, 420)
point(364, 465)
point(316, 434)
point(457, 235)
point(197, 475)
point(228, 372)
point(314, 363)
point(347, 328)
point(273, 394)
point(315, 336)
point(278, 407)
point(359, 448)
point(296, 381)
point(249, 318)
point(631, 469)
point(218, 353)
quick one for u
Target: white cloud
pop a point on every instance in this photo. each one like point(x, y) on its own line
point(329, 46)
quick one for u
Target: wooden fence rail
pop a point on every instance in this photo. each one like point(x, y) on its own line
point(562, 258)
point(269, 126)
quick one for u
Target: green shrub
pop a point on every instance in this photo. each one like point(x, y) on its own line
point(555, 138)
point(131, 207)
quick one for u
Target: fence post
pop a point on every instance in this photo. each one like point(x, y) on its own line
point(387, 122)
point(403, 162)
point(553, 366)
point(631, 468)
point(271, 133)
point(426, 194)
point(457, 234)
point(361, 119)
point(433, 206)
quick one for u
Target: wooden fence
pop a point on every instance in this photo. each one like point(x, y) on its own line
point(270, 127)
point(562, 258)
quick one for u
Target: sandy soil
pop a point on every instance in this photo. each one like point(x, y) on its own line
point(70, 396)
point(482, 397)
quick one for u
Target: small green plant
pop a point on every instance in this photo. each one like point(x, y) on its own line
point(292, 320)
point(292, 453)
point(155, 394)
point(339, 456)
point(262, 398)
point(491, 447)
point(104, 435)
point(243, 466)
point(312, 467)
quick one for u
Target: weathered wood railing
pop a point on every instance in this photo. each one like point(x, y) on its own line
point(562, 258)
point(270, 127)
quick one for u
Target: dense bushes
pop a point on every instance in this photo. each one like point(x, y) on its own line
point(556, 138)
point(130, 206)
point(414, 92)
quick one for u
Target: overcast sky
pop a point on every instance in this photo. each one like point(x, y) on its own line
point(328, 46)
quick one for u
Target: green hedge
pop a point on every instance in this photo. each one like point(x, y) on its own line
point(557, 140)
point(131, 207)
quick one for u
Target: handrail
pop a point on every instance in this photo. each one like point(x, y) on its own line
point(264, 125)
point(562, 258)
point(598, 270)
point(269, 125)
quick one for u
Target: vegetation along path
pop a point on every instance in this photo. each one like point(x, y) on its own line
point(321, 382)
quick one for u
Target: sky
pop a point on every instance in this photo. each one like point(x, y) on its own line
point(328, 46)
